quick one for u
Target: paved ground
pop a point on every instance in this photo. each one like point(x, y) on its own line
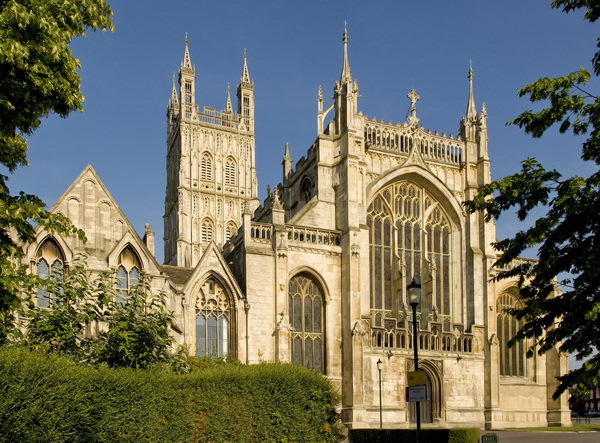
point(548, 437)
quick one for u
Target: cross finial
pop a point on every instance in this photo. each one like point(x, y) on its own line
point(413, 97)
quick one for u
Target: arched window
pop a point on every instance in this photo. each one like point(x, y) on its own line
point(206, 167)
point(230, 230)
point(206, 234)
point(128, 272)
point(512, 359)
point(230, 171)
point(213, 321)
point(410, 235)
point(306, 189)
point(307, 318)
point(49, 264)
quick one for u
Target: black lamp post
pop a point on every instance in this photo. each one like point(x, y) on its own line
point(379, 365)
point(414, 293)
point(247, 309)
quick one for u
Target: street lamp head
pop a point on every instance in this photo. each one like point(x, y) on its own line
point(379, 364)
point(414, 292)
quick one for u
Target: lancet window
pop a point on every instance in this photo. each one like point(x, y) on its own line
point(206, 233)
point(230, 230)
point(213, 320)
point(230, 171)
point(307, 319)
point(410, 237)
point(206, 167)
point(128, 272)
point(50, 263)
point(512, 359)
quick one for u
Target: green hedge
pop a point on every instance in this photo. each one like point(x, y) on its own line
point(49, 398)
point(470, 435)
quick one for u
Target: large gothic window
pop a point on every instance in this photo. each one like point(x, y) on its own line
point(410, 236)
point(513, 358)
point(307, 321)
point(213, 321)
point(230, 171)
point(206, 167)
point(128, 272)
point(49, 265)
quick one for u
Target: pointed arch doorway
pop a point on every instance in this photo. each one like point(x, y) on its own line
point(432, 407)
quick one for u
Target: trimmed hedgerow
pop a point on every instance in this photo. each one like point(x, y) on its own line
point(45, 397)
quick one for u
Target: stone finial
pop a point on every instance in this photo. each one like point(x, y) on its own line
point(413, 97)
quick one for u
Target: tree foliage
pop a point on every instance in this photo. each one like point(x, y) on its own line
point(89, 322)
point(568, 235)
point(138, 331)
point(38, 76)
point(38, 73)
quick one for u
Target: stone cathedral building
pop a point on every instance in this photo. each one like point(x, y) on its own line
point(316, 274)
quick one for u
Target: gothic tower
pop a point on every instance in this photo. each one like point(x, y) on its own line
point(211, 171)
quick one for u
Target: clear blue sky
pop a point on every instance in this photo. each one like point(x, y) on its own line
point(292, 48)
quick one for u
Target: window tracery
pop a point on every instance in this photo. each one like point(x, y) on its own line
point(213, 320)
point(512, 359)
point(409, 236)
point(307, 318)
point(128, 273)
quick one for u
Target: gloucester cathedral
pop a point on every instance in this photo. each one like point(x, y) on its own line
point(317, 273)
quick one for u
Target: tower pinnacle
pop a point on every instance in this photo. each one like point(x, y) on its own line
point(228, 106)
point(245, 78)
point(346, 72)
point(187, 62)
point(471, 109)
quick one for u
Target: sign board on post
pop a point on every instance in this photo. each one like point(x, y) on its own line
point(417, 393)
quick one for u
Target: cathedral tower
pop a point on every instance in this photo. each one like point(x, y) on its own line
point(211, 171)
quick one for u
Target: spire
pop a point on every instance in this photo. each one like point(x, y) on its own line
point(245, 78)
point(187, 62)
point(228, 106)
point(471, 109)
point(346, 73)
